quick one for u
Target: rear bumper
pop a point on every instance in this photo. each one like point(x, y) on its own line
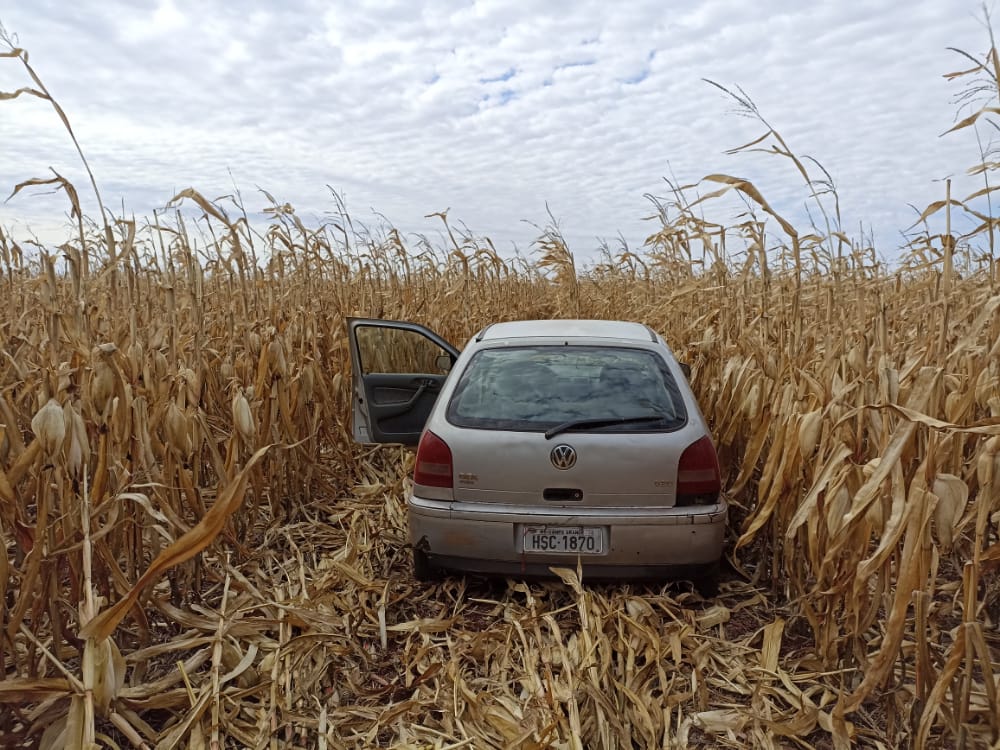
point(641, 542)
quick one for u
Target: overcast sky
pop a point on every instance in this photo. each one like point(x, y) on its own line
point(492, 108)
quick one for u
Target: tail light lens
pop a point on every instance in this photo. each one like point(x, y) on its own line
point(433, 464)
point(698, 479)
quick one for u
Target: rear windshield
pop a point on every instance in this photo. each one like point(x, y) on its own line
point(536, 388)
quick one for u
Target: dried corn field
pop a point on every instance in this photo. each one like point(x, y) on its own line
point(176, 457)
point(198, 555)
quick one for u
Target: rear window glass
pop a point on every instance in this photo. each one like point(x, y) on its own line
point(540, 387)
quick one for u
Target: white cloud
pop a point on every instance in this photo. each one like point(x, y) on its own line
point(138, 25)
point(492, 108)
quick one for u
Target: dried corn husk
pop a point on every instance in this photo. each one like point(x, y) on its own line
point(49, 426)
point(952, 496)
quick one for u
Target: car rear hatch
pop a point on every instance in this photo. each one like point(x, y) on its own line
point(602, 470)
point(524, 427)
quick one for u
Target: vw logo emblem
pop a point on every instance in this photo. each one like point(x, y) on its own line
point(563, 456)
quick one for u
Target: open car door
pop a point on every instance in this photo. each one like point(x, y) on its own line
point(398, 369)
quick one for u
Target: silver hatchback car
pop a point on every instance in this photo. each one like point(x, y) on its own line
point(545, 443)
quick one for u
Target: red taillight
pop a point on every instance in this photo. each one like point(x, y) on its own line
point(698, 480)
point(433, 465)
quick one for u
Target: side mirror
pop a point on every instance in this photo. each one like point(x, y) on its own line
point(443, 362)
point(686, 369)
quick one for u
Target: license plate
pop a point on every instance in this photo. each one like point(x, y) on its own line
point(572, 540)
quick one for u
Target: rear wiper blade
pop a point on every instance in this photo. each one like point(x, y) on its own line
point(601, 422)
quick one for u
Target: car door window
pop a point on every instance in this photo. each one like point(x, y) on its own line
point(394, 350)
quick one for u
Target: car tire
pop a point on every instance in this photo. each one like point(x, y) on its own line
point(423, 571)
point(708, 588)
point(707, 585)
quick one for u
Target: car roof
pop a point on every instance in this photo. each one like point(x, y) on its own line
point(602, 329)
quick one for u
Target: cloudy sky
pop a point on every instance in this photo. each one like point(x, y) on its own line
point(493, 109)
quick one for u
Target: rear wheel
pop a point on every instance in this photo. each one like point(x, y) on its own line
point(422, 569)
point(707, 586)
point(706, 583)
